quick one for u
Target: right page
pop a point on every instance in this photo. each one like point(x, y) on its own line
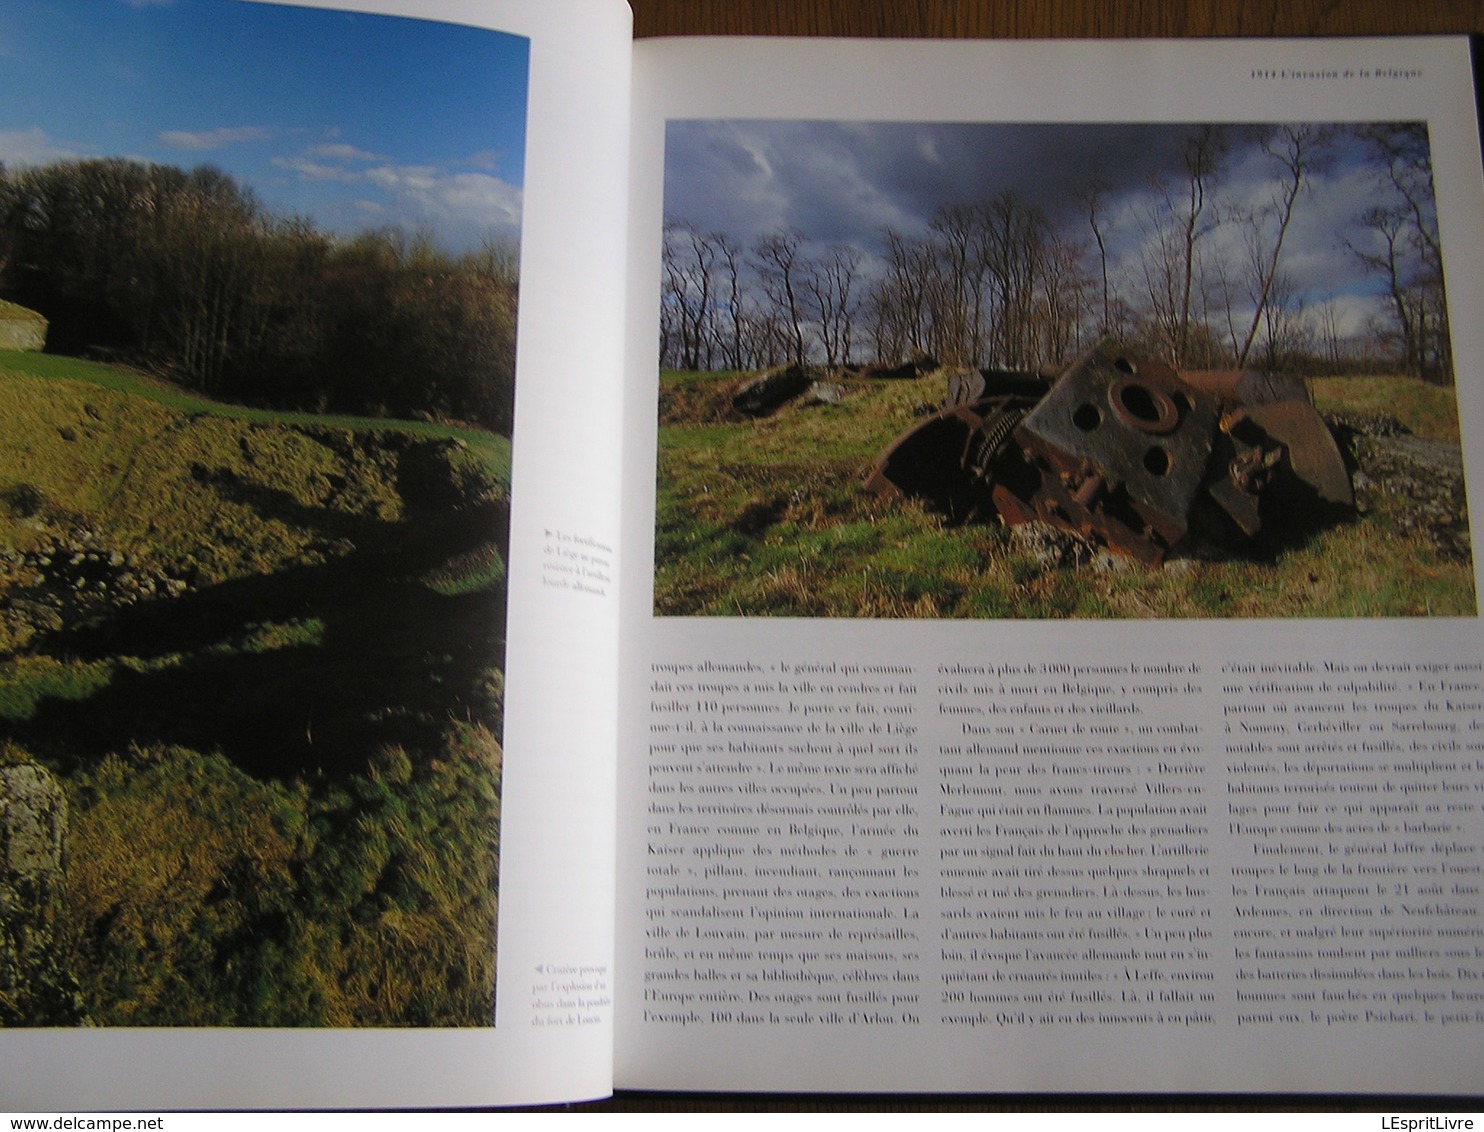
point(300, 580)
point(1125, 734)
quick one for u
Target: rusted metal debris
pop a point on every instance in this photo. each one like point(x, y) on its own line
point(1121, 450)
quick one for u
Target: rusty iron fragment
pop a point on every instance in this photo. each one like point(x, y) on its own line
point(1121, 450)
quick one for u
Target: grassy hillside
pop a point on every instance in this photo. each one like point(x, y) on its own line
point(264, 652)
point(767, 517)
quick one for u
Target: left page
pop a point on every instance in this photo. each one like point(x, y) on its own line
point(305, 553)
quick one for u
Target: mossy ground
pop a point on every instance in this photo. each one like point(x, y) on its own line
point(272, 691)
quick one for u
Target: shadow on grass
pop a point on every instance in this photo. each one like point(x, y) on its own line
point(393, 662)
point(1291, 522)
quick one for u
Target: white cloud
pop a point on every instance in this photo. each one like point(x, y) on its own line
point(461, 205)
point(400, 179)
point(342, 151)
point(456, 198)
point(312, 170)
point(1352, 314)
point(476, 194)
point(219, 138)
point(485, 159)
point(31, 147)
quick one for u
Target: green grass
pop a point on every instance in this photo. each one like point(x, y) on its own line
point(135, 384)
point(767, 518)
point(473, 571)
point(283, 767)
point(203, 489)
point(198, 895)
point(14, 311)
point(27, 681)
point(1423, 408)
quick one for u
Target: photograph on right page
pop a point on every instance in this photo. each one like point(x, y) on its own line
point(1056, 371)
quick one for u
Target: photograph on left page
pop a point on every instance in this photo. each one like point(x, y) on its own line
point(258, 288)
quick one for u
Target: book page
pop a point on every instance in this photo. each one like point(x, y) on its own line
point(1014, 776)
point(310, 614)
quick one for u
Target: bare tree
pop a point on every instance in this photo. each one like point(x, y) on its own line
point(1287, 338)
point(689, 261)
point(956, 284)
point(1385, 249)
point(1399, 240)
point(1065, 288)
point(1403, 147)
point(898, 304)
point(831, 286)
point(1297, 150)
point(780, 265)
point(730, 256)
point(1328, 334)
point(1016, 238)
point(1179, 224)
point(1093, 198)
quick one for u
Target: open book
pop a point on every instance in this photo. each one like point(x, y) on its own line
point(438, 670)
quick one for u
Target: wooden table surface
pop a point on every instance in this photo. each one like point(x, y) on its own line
point(1030, 19)
point(1038, 19)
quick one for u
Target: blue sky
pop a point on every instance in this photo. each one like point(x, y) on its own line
point(356, 121)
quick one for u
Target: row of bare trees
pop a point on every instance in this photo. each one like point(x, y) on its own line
point(990, 283)
point(724, 307)
point(1188, 272)
point(186, 273)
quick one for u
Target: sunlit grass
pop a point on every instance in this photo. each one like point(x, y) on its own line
point(1422, 408)
point(211, 882)
point(199, 488)
point(767, 518)
point(122, 379)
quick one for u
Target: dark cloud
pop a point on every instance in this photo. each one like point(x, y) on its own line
point(843, 182)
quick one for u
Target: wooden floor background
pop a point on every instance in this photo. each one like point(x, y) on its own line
point(1034, 19)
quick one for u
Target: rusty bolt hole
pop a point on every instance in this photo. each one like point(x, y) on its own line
point(1157, 461)
point(1087, 417)
point(1149, 410)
